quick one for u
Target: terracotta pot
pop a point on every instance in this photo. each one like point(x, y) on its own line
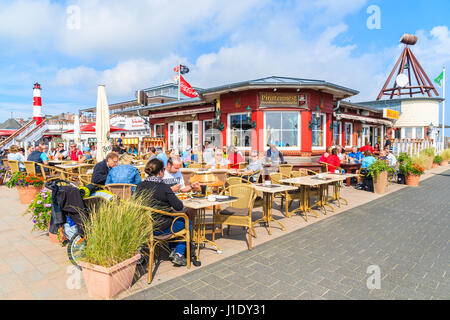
point(412, 180)
point(1, 181)
point(106, 283)
point(435, 165)
point(380, 182)
point(27, 194)
point(54, 237)
point(444, 163)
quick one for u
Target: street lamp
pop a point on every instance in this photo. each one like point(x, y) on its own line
point(249, 117)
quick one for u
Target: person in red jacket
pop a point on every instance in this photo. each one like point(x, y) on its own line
point(333, 161)
point(367, 147)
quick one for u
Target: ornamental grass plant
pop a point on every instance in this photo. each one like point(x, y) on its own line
point(429, 152)
point(116, 231)
point(445, 154)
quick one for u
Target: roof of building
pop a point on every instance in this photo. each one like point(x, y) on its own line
point(392, 102)
point(11, 124)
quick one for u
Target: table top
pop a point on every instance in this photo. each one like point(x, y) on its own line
point(279, 188)
point(346, 164)
point(198, 203)
point(311, 181)
point(71, 166)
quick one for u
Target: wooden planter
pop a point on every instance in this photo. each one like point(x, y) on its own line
point(444, 163)
point(27, 194)
point(412, 180)
point(106, 283)
point(380, 182)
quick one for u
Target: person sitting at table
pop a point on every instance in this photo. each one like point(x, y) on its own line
point(161, 155)
point(341, 153)
point(124, 173)
point(75, 154)
point(186, 156)
point(38, 156)
point(102, 168)
point(325, 155)
point(174, 178)
point(333, 161)
point(133, 150)
point(367, 147)
point(390, 157)
point(30, 149)
point(160, 196)
point(87, 153)
point(255, 164)
point(355, 156)
point(376, 149)
point(14, 154)
point(274, 155)
point(218, 161)
point(367, 160)
point(60, 153)
point(234, 157)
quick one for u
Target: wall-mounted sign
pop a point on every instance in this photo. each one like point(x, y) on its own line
point(181, 113)
point(282, 99)
point(390, 114)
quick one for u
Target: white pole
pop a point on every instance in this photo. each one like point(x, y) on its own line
point(179, 80)
point(443, 110)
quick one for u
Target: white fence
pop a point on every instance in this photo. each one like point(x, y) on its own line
point(414, 146)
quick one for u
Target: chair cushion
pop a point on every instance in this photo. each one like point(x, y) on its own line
point(235, 211)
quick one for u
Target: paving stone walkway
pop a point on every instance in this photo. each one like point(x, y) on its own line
point(406, 234)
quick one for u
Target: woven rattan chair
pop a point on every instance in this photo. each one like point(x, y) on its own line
point(183, 235)
point(299, 173)
point(122, 190)
point(85, 169)
point(236, 180)
point(13, 166)
point(285, 170)
point(49, 172)
point(238, 213)
point(288, 196)
point(242, 165)
point(30, 167)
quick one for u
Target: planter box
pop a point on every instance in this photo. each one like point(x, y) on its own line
point(380, 182)
point(105, 283)
point(412, 180)
point(27, 194)
point(444, 163)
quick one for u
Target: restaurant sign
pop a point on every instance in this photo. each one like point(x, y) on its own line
point(282, 99)
point(390, 114)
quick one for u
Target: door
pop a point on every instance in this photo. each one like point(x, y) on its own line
point(195, 133)
point(366, 136)
point(180, 138)
point(171, 135)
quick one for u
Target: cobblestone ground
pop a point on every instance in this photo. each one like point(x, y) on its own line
point(406, 234)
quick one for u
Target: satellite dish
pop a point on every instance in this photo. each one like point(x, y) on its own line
point(402, 80)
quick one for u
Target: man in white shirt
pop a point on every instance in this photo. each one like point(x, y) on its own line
point(208, 154)
point(174, 178)
point(390, 157)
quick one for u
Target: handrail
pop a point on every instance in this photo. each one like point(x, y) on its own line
point(17, 133)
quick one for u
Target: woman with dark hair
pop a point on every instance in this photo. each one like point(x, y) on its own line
point(154, 188)
point(333, 161)
point(376, 149)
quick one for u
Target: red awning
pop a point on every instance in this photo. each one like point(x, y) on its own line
point(7, 132)
point(91, 128)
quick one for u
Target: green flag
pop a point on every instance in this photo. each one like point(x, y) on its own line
point(439, 78)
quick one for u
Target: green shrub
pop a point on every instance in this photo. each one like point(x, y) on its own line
point(437, 159)
point(379, 166)
point(403, 156)
point(116, 231)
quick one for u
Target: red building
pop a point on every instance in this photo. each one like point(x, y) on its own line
point(300, 116)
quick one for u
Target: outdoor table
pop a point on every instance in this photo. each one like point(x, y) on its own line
point(199, 224)
point(70, 168)
point(350, 168)
point(310, 166)
point(54, 162)
point(337, 185)
point(268, 193)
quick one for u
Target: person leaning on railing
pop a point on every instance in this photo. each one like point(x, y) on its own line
point(154, 190)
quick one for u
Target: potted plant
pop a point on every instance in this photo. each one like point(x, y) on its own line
point(28, 186)
point(445, 154)
point(437, 161)
point(114, 235)
point(412, 172)
point(427, 156)
point(379, 172)
point(3, 172)
point(402, 157)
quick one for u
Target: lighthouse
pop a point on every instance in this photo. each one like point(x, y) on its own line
point(37, 104)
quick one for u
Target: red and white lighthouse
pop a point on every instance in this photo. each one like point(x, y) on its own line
point(37, 104)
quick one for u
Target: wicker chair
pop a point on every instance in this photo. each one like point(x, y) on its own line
point(183, 235)
point(49, 172)
point(289, 196)
point(30, 167)
point(13, 166)
point(299, 173)
point(236, 180)
point(285, 170)
point(242, 165)
point(238, 213)
point(122, 190)
point(85, 169)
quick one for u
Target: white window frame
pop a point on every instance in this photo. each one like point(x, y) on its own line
point(351, 133)
point(339, 142)
point(204, 131)
point(229, 131)
point(421, 129)
point(324, 126)
point(154, 130)
point(298, 130)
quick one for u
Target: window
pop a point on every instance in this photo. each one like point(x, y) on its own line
point(282, 129)
point(408, 133)
point(318, 131)
point(336, 133)
point(348, 134)
point(419, 132)
point(158, 131)
point(240, 130)
point(211, 133)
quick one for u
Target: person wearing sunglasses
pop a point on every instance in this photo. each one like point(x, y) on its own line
point(75, 154)
point(60, 153)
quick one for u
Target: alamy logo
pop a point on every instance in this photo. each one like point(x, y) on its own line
point(374, 20)
point(374, 280)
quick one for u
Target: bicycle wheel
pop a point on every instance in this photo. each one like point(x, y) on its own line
point(75, 249)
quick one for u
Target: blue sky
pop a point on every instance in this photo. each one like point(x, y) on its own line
point(133, 44)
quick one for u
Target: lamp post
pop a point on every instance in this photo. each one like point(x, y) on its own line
point(249, 117)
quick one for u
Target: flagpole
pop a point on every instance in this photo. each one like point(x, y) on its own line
point(443, 111)
point(179, 80)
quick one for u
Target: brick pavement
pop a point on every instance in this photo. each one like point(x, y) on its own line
point(405, 233)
